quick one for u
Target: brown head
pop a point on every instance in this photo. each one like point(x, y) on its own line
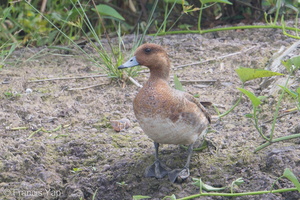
point(152, 56)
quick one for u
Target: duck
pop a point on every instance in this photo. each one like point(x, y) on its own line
point(166, 115)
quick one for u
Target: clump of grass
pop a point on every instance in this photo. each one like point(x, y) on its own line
point(111, 56)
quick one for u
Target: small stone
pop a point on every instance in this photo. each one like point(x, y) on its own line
point(106, 167)
point(28, 90)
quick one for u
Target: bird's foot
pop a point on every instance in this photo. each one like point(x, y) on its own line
point(179, 175)
point(157, 169)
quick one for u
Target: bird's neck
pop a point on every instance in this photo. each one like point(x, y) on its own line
point(159, 73)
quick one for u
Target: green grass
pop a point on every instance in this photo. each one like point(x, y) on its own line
point(67, 21)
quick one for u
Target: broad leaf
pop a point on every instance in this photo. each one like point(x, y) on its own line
point(108, 11)
point(255, 100)
point(292, 64)
point(296, 61)
point(247, 74)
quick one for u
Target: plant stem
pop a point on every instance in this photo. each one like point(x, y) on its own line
point(200, 17)
point(277, 109)
point(277, 140)
point(224, 29)
point(278, 5)
point(257, 126)
point(239, 194)
point(164, 23)
point(235, 105)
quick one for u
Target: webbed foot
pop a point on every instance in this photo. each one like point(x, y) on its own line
point(179, 175)
point(157, 169)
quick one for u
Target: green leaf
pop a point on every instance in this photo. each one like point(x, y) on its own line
point(291, 176)
point(246, 74)
point(108, 11)
point(298, 91)
point(138, 197)
point(255, 100)
point(296, 61)
point(178, 85)
point(198, 182)
point(77, 170)
point(238, 181)
point(292, 64)
point(6, 13)
point(288, 64)
point(290, 92)
point(215, 1)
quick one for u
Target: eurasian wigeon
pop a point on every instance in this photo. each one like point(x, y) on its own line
point(166, 115)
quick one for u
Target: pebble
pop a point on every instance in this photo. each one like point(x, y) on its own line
point(28, 90)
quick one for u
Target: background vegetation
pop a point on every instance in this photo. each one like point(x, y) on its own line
point(38, 22)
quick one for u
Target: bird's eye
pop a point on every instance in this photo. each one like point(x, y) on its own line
point(147, 50)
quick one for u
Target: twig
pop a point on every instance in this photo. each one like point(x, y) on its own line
point(198, 81)
point(268, 121)
point(67, 78)
point(274, 66)
point(217, 58)
point(87, 87)
point(135, 82)
point(182, 81)
point(18, 128)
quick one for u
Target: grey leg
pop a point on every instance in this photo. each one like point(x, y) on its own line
point(182, 173)
point(157, 169)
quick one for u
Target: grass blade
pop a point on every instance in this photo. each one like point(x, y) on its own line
point(291, 176)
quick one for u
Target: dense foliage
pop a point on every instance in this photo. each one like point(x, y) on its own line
point(39, 22)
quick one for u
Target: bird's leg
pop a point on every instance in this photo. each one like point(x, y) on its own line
point(182, 173)
point(157, 169)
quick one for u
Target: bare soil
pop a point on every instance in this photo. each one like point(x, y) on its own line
point(76, 153)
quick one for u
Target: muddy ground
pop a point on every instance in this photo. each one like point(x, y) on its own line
point(57, 142)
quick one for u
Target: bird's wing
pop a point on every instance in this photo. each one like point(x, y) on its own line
point(202, 108)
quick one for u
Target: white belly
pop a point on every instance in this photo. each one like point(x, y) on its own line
point(166, 132)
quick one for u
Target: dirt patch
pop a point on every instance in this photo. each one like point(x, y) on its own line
point(76, 154)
